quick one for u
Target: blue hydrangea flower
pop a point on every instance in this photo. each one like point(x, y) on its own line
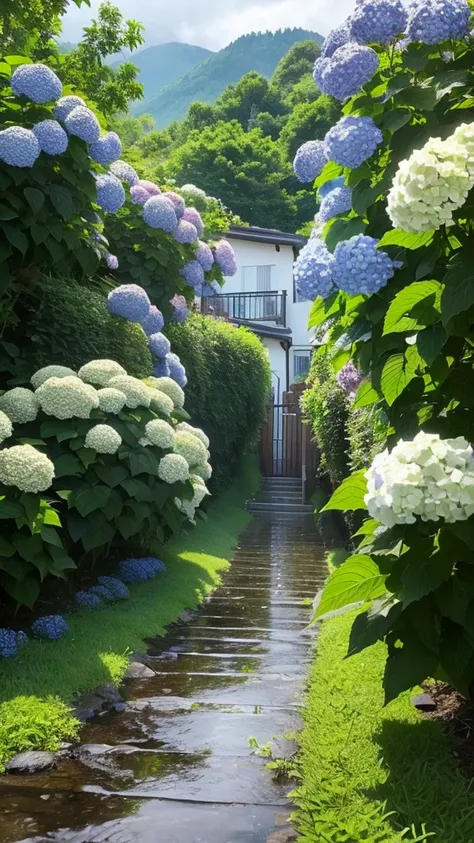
point(177, 202)
point(37, 82)
point(83, 123)
point(88, 600)
point(124, 171)
point(158, 212)
point(352, 141)
point(177, 370)
point(115, 587)
point(194, 217)
point(313, 270)
point(186, 232)
point(310, 161)
point(153, 322)
point(102, 593)
point(159, 345)
point(161, 369)
point(51, 137)
point(180, 308)
point(378, 21)
point(337, 38)
point(434, 21)
point(19, 147)
point(338, 201)
point(50, 627)
point(8, 643)
point(359, 267)
point(193, 274)
point(130, 302)
point(21, 638)
point(66, 105)
point(110, 193)
point(138, 194)
point(204, 255)
point(225, 258)
point(347, 71)
point(107, 149)
point(210, 289)
point(331, 185)
point(112, 261)
point(153, 565)
point(139, 570)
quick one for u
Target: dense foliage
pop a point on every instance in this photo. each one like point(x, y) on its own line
point(398, 301)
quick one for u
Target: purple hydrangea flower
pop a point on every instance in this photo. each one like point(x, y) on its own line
point(193, 274)
point(338, 201)
point(161, 369)
point(50, 627)
point(378, 21)
point(186, 232)
point(194, 217)
point(115, 587)
point(139, 195)
point(124, 172)
point(177, 201)
point(158, 212)
point(19, 147)
point(149, 186)
point(159, 345)
point(352, 141)
point(37, 82)
point(434, 21)
point(349, 378)
point(349, 69)
point(88, 600)
point(359, 267)
point(177, 370)
point(83, 123)
point(326, 188)
point(107, 149)
point(66, 105)
point(110, 193)
point(225, 258)
point(204, 255)
point(310, 161)
point(337, 38)
point(112, 261)
point(153, 322)
point(313, 270)
point(8, 643)
point(181, 309)
point(51, 137)
point(130, 302)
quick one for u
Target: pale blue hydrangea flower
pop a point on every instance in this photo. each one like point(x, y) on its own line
point(107, 149)
point(204, 255)
point(194, 217)
point(177, 370)
point(159, 345)
point(310, 160)
point(186, 232)
point(177, 201)
point(181, 309)
point(352, 141)
point(153, 322)
point(124, 171)
point(159, 212)
point(359, 267)
point(110, 193)
point(138, 195)
point(210, 289)
point(151, 188)
point(326, 188)
point(112, 261)
point(19, 147)
point(193, 274)
point(434, 21)
point(378, 21)
point(130, 302)
point(337, 38)
point(51, 137)
point(37, 82)
point(347, 71)
point(66, 105)
point(83, 123)
point(313, 270)
point(338, 201)
point(225, 258)
point(161, 368)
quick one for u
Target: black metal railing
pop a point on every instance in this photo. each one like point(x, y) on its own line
point(250, 307)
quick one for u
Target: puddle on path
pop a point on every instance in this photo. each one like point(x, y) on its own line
point(176, 765)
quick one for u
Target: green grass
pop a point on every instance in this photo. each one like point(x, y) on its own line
point(36, 688)
point(369, 773)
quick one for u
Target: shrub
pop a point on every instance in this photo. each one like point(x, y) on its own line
point(327, 408)
point(229, 382)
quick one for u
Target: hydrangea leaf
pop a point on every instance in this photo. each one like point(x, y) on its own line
point(396, 375)
point(416, 306)
point(24, 591)
point(407, 666)
point(430, 342)
point(355, 581)
point(397, 237)
point(371, 626)
point(458, 294)
point(424, 574)
point(350, 494)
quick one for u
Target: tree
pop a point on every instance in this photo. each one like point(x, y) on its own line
point(26, 25)
point(308, 121)
point(132, 129)
point(296, 64)
point(200, 114)
point(236, 102)
point(269, 124)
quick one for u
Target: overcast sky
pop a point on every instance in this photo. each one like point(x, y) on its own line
point(212, 23)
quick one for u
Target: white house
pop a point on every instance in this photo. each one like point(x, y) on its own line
point(262, 296)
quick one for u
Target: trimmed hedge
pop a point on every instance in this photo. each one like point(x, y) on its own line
point(326, 405)
point(228, 385)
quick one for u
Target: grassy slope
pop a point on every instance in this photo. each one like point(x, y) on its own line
point(369, 772)
point(37, 686)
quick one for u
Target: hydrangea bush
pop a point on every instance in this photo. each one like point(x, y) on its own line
point(402, 299)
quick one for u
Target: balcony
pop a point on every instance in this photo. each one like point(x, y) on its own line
point(247, 307)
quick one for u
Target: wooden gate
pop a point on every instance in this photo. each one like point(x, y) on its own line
point(286, 446)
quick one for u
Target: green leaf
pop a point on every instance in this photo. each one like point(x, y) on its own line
point(421, 97)
point(51, 518)
point(430, 342)
point(343, 230)
point(321, 309)
point(330, 171)
point(397, 237)
point(11, 509)
point(144, 463)
point(50, 536)
point(424, 574)
point(128, 525)
point(355, 581)
point(17, 238)
point(35, 198)
point(396, 375)
point(62, 200)
point(371, 626)
point(407, 667)
point(90, 499)
point(365, 396)
point(39, 233)
point(112, 475)
point(98, 538)
point(77, 526)
point(458, 294)
point(67, 464)
point(368, 528)
point(13, 61)
point(28, 546)
point(396, 118)
point(350, 494)
point(7, 213)
point(416, 306)
point(6, 548)
point(61, 560)
point(25, 591)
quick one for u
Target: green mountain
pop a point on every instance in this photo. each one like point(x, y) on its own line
point(161, 65)
point(259, 51)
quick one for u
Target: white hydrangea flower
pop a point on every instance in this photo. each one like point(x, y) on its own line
point(160, 402)
point(196, 431)
point(173, 469)
point(6, 427)
point(103, 438)
point(111, 400)
point(26, 468)
point(67, 397)
point(47, 372)
point(100, 372)
point(160, 433)
point(190, 447)
point(170, 388)
point(204, 470)
point(137, 393)
point(433, 183)
point(20, 405)
point(429, 477)
point(200, 490)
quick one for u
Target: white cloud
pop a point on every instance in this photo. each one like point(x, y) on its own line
point(211, 23)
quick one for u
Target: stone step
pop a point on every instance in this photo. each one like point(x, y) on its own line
point(290, 508)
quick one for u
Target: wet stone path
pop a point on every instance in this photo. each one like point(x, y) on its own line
point(176, 765)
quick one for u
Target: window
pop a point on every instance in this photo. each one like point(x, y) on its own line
point(264, 279)
point(301, 361)
point(256, 279)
